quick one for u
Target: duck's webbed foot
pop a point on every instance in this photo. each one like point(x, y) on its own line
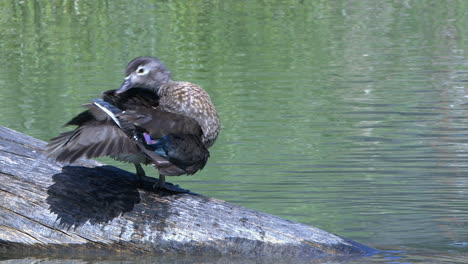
point(162, 185)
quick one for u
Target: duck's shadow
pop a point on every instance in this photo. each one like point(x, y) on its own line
point(98, 195)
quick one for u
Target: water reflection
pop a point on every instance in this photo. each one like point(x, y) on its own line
point(349, 116)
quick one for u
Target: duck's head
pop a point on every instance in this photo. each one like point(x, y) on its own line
point(146, 73)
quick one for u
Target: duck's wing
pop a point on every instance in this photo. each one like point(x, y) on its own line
point(141, 108)
point(92, 139)
point(158, 122)
point(136, 97)
point(173, 136)
point(96, 135)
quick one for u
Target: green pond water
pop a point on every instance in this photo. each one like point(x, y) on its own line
point(350, 116)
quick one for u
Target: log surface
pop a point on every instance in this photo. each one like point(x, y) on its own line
point(87, 207)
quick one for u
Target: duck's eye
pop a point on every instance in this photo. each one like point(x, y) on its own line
point(140, 71)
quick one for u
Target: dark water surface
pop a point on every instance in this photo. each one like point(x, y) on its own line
point(350, 116)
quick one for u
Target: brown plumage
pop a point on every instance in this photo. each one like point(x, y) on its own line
point(150, 119)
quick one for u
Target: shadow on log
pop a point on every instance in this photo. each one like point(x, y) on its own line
point(49, 208)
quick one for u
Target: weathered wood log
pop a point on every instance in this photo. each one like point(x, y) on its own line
point(90, 207)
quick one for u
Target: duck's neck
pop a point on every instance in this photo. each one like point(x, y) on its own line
point(159, 90)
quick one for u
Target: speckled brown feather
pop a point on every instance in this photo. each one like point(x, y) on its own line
point(191, 100)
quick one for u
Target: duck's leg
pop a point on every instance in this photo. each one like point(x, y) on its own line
point(140, 172)
point(161, 183)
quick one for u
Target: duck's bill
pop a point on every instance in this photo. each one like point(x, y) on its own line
point(126, 85)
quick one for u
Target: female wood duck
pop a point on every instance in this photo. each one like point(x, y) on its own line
point(150, 119)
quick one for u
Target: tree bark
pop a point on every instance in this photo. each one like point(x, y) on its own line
point(52, 208)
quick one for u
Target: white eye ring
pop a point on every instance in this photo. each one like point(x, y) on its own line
point(141, 70)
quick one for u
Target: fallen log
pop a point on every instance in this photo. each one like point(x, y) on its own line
point(48, 208)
